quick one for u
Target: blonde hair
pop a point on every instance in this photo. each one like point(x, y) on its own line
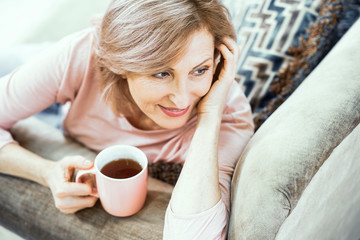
point(143, 36)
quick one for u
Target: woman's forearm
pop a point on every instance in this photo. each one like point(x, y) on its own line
point(17, 161)
point(197, 188)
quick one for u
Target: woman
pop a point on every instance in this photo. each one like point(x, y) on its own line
point(158, 75)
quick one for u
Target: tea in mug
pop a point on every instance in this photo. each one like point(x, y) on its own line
point(121, 168)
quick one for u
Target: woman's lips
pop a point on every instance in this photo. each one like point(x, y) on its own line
point(174, 112)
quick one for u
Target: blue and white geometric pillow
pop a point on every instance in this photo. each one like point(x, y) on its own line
point(266, 29)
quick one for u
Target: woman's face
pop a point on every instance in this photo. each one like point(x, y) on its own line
point(169, 98)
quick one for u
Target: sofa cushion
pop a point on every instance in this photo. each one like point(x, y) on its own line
point(28, 209)
point(289, 148)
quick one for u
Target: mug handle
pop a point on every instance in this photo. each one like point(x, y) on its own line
point(91, 171)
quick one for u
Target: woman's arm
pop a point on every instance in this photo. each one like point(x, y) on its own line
point(198, 187)
point(200, 203)
point(69, 197)
point(235, 131)
point(55, 75)
point(19, 162)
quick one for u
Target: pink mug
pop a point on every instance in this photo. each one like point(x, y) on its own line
point(120, 197)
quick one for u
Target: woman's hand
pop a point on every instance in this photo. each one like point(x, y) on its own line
point(213, 102)
point(69, 196)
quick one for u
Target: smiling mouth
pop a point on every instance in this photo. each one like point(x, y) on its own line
point(174, 112)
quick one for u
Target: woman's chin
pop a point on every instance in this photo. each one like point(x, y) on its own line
point(172, 124)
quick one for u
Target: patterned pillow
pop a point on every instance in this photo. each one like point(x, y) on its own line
point(335, 18)
point(266, 29)
point(282, 41)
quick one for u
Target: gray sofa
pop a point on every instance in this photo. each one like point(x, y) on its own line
point(298, 178)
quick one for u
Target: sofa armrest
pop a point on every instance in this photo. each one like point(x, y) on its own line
point(289, 148)
point(27, 208)
point(329, 206)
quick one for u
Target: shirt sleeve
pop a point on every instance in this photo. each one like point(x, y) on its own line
point(53, 76)
point(237, 127)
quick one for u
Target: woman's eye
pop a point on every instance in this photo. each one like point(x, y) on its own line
point(200, 71)
point(161, 75)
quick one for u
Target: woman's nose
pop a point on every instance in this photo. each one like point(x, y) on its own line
point(180, 94)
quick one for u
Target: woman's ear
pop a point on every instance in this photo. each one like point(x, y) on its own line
point(216, 59)
point(123, 76)
point(117, 71)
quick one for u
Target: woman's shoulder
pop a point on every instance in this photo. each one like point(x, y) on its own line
point(81, 36)
point(237, 108)
point(236, 98)
point(79, 43)
point(71, 58)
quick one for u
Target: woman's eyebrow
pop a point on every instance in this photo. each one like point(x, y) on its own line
point(209, 58)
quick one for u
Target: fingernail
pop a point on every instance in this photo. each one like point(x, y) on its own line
point(87, 163)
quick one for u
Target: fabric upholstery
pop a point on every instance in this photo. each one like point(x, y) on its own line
point(266, 29)
point(288, 149)
point(281, 42)
point(335, 18)
point(280, 161)
point(329, 207)
point(27, 208)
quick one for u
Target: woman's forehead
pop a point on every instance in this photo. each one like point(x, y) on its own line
point(199, 47)
point(195, 48)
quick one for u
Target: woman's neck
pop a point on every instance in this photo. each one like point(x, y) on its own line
point(137, 118)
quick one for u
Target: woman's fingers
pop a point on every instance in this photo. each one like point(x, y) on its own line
point(74, 204)
point(73, 189)
point(70, 197)
point(230, 52)
point(227, 73)
point(226, 57)
point(69, 164)
point(232, 46)
point(213, 102)
point(78, 162)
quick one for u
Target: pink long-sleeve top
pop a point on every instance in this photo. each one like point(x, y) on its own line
point(68, 73)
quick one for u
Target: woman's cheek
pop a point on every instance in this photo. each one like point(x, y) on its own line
point(150, 88)
point(204, 86)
